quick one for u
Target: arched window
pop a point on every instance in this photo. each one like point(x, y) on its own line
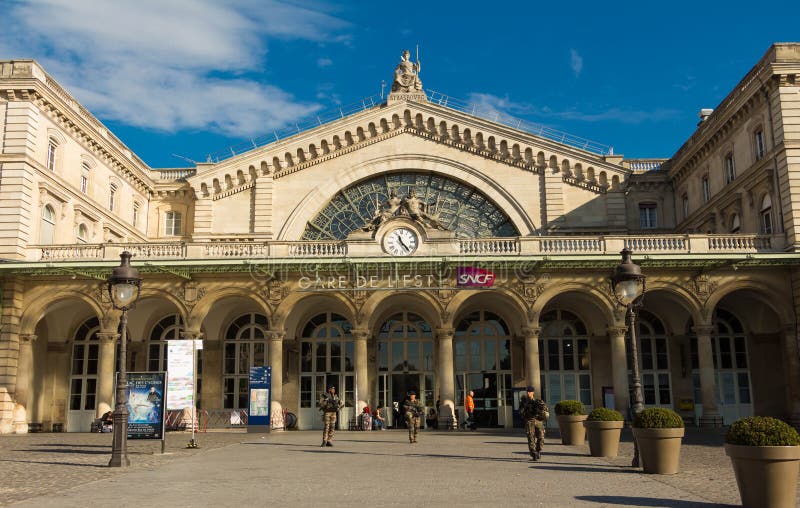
point(736, 224)
point(85, 172)
point(654, 361)
point(47, 226)
point(52, 154)
point(172, 223)
point(730, 168)
point(765, 213)
point(82, 233)
point(564, 358)
point(112, 196)
point(168, 328)
point(327, 357)
point(246, 346)
point(83, 372)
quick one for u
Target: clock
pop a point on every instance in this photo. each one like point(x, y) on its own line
point(401, 242)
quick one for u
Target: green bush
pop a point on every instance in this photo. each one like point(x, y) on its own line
point(570, 407)
point(658, 418)
point(762, 431)
point(603, 414)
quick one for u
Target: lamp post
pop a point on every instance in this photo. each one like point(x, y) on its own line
point(123, 289)
point(628, 285)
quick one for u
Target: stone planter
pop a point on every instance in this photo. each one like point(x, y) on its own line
point(603, 437)
point(659, 449)
point(571, 429)
point(766, 475)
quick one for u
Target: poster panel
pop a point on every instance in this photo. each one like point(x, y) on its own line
point(180, 365)
point(259, 400)
point(146, 405)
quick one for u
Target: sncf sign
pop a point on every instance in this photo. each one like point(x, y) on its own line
point(470, 276)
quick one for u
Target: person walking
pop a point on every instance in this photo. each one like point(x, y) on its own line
point(414, 410)
point(535, 414)
point(329, 404)
point(469, 409)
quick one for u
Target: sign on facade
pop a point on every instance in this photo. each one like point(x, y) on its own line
point(259, 399)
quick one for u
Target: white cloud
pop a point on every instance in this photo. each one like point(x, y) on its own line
point(491, 106)
point(575, 62)
point(324, 62)
point(167, 65)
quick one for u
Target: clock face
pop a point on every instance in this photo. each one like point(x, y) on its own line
point(400, 242)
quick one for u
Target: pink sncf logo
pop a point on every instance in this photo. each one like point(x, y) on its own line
point(470, 276)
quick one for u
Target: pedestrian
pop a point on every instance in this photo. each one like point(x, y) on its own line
point(535, 414)
point(469, 409)
point(329, 404)
point(378, 420)
point(414, 410)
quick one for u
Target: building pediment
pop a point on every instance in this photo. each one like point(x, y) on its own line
point(432, 122)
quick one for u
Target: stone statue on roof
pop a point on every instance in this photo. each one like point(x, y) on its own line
point(406, 75)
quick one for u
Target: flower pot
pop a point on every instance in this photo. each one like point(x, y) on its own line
point(571, 429)
point(659, 449)
point(603, 437)
point(766, 475)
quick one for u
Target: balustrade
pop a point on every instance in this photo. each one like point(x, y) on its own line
point(502, 246)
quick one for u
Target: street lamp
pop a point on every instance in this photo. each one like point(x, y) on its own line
point(628, 285)
point(123, 288)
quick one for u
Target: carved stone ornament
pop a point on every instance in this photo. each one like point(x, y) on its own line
point(426, 214)
point(358, 297)
point(406, 75)
point(530, 288)
point(702, 286)
point(192, 293)
point(275, 291)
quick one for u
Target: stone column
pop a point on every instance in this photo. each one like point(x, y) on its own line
point(791, 367)
point(619, 368)
point(23, 393)
point(105, 372)
point(362, 369)
point(708, 385)
point(211, 391)
point(533, 371)
point(447, 419)
point(276, 362)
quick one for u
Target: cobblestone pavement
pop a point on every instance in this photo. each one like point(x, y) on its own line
point(479, 468)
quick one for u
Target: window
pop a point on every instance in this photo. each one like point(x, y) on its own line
point(112, 197)
point(735, 223)
point(647, 215)
point(730, 168)
point(761, 146)
point(246, 346)
point(172, 224)
point(85, 178)
point(706, 190)
point(766, 215)
point(136, 213)
point(52, 152)
point(82, 233)
point(685, 202)
point(48, 225)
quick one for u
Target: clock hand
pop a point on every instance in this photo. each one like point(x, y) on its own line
point(403, 244)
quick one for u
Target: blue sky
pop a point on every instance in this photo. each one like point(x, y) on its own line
point(192, 77)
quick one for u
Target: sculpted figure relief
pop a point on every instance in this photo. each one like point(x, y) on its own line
point(406, 75)
point(410, 206)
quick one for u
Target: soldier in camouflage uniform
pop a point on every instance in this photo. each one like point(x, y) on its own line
point(414, 411)
point(535, 413)
point(329, 404)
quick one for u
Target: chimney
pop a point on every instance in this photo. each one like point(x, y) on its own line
point(704, 114)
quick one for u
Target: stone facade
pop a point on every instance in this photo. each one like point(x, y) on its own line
point(267, 257)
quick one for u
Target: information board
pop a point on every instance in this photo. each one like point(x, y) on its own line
point(260, 397)
point(146, 405)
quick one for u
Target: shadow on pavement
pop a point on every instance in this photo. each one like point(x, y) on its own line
point(107, 446)
point(51, 463)
point(585, 469)
point(107, 451)
point(428, 455)
point(648, 501)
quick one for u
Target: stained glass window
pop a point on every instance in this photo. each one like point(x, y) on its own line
point(459, 207)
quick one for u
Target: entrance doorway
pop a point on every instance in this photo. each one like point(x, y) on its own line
point(83, 377)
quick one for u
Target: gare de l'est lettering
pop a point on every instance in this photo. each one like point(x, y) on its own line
point(409, 242)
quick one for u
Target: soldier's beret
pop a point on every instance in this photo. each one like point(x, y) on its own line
point(412, 392)
point(530, 389)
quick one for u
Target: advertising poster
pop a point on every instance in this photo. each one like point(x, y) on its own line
point(146, 405)
point(180, 366)
point(258, 411)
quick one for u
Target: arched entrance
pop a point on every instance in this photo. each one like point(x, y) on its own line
point(84, 371)
point(482, 352)
point(327, 354)
point(405, 362)
point(654, 360)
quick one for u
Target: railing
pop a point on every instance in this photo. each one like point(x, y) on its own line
point(645, 164)
point(175, 173)
point(488, 112)
point(248, 249)
point(297, 127)
point(502, 246)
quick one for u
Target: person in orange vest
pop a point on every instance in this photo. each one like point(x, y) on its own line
point(469, 408)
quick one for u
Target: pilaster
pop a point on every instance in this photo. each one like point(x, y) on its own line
point(276, 362)
point(447, 414)
point(105, 372)
point(262, 205)
point(25, 372)
point(553, 199)
point(11, 293)
point(708, 386)
point(619, 368)
point(533, 372)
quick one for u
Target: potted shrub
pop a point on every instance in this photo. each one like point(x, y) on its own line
point(658, 433)
point(765, 453)
point(603, 427)
point(570, 415)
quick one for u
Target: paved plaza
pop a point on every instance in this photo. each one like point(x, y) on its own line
point(379, 468)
